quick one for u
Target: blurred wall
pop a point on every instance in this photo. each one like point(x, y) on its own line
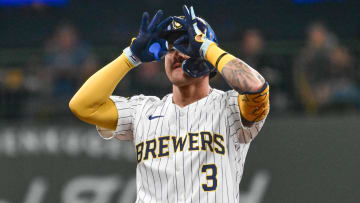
point(294, 159)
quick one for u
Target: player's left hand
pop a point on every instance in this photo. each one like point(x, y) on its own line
point(195, 44)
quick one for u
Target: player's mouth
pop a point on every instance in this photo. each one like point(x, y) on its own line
point(178, 62)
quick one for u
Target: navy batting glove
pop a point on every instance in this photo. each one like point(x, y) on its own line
point(148, 46)
point(195, 43)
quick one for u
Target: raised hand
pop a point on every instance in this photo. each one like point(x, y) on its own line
point(195, 43)
point(148, 46)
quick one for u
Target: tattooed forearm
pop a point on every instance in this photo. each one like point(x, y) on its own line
point(242, 77)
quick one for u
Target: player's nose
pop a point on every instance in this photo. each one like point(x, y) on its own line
point(179, 54)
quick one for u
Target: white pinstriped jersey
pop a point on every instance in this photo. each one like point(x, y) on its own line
point(193, 154)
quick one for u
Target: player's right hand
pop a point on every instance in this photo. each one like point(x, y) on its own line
point(195, 43)
point(148, 46)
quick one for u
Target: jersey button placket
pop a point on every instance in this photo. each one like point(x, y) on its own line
point(183, 121)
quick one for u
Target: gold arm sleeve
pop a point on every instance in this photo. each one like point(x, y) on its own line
point(91, 103)
point(254, 106)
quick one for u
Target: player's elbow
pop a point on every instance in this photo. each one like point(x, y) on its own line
point(77, 108)
point(259, 86)
point(74, 106)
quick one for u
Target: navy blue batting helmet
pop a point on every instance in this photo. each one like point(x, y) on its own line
point(194, 67)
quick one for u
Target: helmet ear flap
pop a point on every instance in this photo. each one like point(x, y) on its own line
point(213, 73)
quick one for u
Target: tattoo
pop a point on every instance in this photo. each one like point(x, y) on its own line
point(241, 76)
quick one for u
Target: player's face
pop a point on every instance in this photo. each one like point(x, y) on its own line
point(174, 72)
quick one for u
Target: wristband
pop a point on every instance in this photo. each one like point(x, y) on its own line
point(204, 47)
point(135, 61)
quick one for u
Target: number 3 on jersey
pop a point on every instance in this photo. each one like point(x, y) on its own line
point(212, 177)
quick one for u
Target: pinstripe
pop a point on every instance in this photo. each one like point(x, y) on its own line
point(152, 161)
point(147, 178)
point(207, 194)
point(167, 161)
point(227, 143)
point(151, 171)
point(160, 134)
point(243, 134)
point(257, 127)
point(141, 116)
point(191, 165)
point(137, 125)
point(183, 166)
point(147, 135)
point(138, 191)
point(212, 128)
point(162, 122)
point(222, 170)
point(135, 111)
point(251, 135)
point(144, 182)
point(141, 186)
point(199, 157)
point(177, 195)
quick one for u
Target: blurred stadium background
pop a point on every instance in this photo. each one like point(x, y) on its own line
point(308, 50)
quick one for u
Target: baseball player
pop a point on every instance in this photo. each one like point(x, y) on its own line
point(190, 145)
